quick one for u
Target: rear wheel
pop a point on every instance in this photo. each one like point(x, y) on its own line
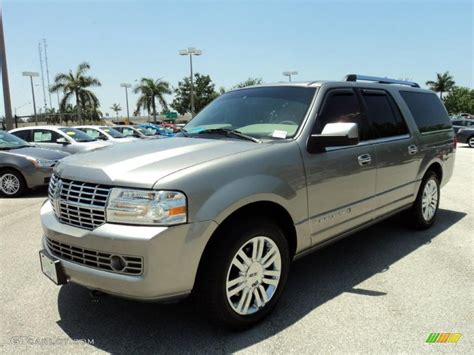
point(424, 210)
point(244, 274)
point(12, 183)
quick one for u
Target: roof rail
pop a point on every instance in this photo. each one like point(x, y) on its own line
point(357, 77)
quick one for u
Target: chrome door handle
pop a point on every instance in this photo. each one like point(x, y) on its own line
point(364, 159)
point(412, 149)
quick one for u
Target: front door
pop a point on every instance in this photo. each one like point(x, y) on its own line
point(340, 180)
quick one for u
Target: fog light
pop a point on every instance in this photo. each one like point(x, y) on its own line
point(117, 263)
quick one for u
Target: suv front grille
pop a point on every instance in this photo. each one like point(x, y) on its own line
point(79, 204)
point(122, 264)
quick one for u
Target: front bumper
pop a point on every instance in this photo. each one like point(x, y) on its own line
point(36, 177)
point(170, 255)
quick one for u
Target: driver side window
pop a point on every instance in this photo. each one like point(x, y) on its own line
point(341, 106)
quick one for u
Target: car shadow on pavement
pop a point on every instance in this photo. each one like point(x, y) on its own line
point(119, 326)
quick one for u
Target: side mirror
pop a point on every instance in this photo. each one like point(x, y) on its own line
point(334, 135)
point(62, 141)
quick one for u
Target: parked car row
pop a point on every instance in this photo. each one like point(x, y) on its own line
point(27, 155)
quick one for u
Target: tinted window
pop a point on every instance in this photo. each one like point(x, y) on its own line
point(427, 111)
point(25, 135)
point(384, 115)
point(44, 136)
point(342, 107)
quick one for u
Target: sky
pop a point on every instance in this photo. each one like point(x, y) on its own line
point(126, 40)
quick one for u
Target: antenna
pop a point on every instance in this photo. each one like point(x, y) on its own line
point(40, 50)
point(47, 69)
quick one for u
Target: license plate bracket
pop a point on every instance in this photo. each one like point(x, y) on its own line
point(52, 268)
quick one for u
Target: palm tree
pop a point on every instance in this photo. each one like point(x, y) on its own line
point(116, 108)
point(444, 83)
point(77, 84)
point(149, 91)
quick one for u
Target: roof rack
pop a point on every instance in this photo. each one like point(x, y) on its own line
point(357, 77)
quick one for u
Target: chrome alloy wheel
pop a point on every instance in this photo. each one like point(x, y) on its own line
point(253, 275)
point(9, 184)
point(471, 142)
point(429, 201)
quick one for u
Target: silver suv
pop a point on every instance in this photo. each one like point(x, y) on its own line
point(261, 176)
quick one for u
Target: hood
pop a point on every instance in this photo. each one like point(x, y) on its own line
point(94, 144)
point(144, 162)
point(37, 153)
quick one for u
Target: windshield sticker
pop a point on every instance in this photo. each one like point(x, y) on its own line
point(71, 133)
point(279, 134)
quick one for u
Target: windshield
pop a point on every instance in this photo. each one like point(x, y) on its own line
point(267, 112)
point(77, 135)
point(146, 131)
point(126, 131)
point(10, 141)
point(113, 132)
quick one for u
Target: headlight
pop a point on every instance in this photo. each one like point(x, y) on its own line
point(146, 207)
point(41, 163)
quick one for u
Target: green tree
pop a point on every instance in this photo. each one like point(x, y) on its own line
point(150, 90)
point(249, 82)
point(460, 99)
point(443, 83)
point(116, 108)
point(204, 93)
point(77, 84)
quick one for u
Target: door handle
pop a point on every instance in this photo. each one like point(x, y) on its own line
point(364, 159)
point(412, 149)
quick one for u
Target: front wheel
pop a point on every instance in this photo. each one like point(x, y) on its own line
point(470, 141)
point(424, 210)
point(245, 273)
point(12, 183)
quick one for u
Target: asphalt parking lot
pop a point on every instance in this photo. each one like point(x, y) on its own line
point(382, 290)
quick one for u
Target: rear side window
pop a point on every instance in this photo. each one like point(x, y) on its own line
point(427, 111)
point(383, 115)
point(25, 135)
point(341, 106)
point(44, 136)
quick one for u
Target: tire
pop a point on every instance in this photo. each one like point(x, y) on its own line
point(470, 141)
point(240, 304)
point(12, 183)
point(423, 212)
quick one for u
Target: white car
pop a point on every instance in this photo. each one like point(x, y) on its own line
point(67, 139)
point(105, 133)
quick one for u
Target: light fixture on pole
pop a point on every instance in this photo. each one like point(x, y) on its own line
point(191, 51)
point(289, 73)
point(126, 86)
point(32, 74)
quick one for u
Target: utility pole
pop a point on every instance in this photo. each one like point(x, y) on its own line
point(47, 70)
point(40, 50)
point(5, 83)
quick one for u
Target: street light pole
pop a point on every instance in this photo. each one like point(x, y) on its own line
point(32, 74)
point(126, 86)
point(191, 51)
point(289, 73)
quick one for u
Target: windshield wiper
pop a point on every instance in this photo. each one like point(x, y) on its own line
point(227, 132)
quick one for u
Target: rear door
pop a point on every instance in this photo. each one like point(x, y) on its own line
point(396, 151)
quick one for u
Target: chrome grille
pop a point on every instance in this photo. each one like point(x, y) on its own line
point(80, 204)
point(122, 264)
